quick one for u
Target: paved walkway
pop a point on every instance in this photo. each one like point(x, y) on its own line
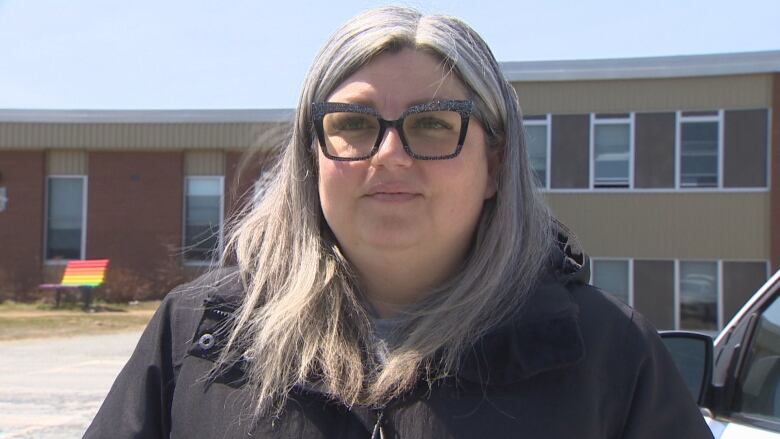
point(52, 388)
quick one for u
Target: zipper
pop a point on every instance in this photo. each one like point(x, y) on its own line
point(221, 313)
point(219, 308)
point(378, 432)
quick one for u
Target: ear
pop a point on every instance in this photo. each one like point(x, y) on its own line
point(494, 159)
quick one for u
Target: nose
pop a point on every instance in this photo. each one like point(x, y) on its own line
point(391, 151)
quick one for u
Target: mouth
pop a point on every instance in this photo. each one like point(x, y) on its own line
point(393, 196)
point(392, 192)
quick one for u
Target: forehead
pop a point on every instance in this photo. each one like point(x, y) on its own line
point(393, 81)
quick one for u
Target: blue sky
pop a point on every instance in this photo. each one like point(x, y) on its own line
point(145, 54)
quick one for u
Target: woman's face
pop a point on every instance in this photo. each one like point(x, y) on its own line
point(391, 201)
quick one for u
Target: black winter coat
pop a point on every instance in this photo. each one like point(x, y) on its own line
point(574, 364)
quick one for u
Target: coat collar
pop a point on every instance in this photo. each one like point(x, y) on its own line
point(545, 334)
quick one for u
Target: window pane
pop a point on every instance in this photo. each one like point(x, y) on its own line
point(3, 198)
point(611, 155)
point(202, 218)
point(612, 278)
point(699, 295)
point(65, 216)
point(536, 142)
point(760, 383)
point(699, 154)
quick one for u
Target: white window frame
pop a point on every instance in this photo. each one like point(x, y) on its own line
point(220, 237)
point(718, 275)
point(547, 122)
point(630, 274)
point(592, 149)
point(85, 201)
point(719, 118)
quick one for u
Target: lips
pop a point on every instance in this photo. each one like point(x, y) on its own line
point(392, 192)
point(393, 197)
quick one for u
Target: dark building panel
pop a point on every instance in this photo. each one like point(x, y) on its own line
point(740, 281)
point(654, 150)
point(134, 212)
point(745, 148)
point(774, 219)
point(654, 291)
point(570, 151)
point(22, 174)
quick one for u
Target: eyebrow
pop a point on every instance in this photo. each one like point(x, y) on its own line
point(370, 102)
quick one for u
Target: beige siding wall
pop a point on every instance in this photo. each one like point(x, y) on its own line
point(137, 135)
point(733, 226)
point(66, 163)
point(204, 163)
point(615, 96)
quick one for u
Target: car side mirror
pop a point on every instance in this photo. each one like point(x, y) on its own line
point(692, 353)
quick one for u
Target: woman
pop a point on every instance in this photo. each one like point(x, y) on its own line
point(402, 277)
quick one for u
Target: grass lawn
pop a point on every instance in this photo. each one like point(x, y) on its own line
point(34, 320)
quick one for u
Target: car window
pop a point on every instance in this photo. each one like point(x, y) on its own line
point(759, 385)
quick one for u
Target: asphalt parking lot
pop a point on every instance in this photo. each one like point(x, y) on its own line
point(52, 388)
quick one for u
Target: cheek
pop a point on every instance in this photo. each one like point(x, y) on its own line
point(328, 182)
point(337, 181)
point(463, 188)
point(473, 176)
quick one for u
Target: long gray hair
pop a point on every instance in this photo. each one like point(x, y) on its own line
point(302, 319)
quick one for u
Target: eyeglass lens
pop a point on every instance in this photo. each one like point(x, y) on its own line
point(428, 134)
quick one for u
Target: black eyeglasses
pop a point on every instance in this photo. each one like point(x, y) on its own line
point(432, 131)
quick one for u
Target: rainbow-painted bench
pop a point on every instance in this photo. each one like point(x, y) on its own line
point(80, 275)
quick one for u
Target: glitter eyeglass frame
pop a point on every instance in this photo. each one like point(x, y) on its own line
point(320, 109)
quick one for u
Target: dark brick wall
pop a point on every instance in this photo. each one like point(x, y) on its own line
point(21, 224)
point(134, 212)
point(241, 171)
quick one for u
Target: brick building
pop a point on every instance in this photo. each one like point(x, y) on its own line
point(146, 189)
point(666, 168)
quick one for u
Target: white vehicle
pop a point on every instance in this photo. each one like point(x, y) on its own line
point(736, 380)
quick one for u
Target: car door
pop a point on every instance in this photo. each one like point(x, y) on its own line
point(747, 362)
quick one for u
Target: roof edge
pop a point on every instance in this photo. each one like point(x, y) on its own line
point(146, 116)
point(676, 66)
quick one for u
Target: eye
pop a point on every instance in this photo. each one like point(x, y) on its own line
point(353, 123)
point(349, 122)
point(431, 123)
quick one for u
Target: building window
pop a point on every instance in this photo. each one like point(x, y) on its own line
point(698, 294)
point(613, 276)
point(537, 141)
point(611, 150)
point(3, 198)
point(203, 207)
point(700, 146)
point(65, 217)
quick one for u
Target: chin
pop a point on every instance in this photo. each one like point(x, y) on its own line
point(391, 241)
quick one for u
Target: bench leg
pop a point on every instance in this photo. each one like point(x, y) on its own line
point(86, 294)
point(58, 294)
